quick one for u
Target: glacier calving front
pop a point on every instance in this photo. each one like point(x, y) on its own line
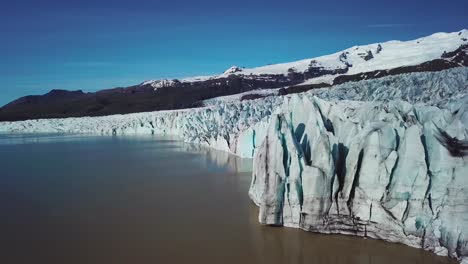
point(367, 169)
point(374, 169)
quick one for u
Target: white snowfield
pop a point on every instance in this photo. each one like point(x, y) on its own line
point(386, 55)
point(365, 158)
point(378, 56)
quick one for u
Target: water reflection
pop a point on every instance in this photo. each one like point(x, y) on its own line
point(221, 159)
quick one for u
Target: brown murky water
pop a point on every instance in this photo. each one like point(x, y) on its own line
point(150, 200)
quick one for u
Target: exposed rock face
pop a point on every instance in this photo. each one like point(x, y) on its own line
point(368, 55)
point(316, 70)
point(367, 169)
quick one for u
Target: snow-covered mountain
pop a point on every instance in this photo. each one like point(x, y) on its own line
point(359, 59)
point(433, 53)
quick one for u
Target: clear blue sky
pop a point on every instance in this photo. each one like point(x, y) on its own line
point(93, 45)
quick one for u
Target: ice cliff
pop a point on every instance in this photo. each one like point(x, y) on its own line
point(380, 170)
point(383, 158)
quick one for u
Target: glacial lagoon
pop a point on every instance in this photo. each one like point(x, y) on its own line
point(147, 199)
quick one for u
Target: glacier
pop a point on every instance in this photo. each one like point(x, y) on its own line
point(435, 88)
point(381, 158)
